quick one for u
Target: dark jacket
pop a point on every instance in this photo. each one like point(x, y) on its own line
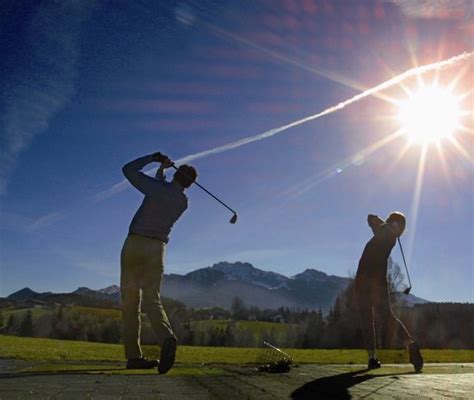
point(372, 270)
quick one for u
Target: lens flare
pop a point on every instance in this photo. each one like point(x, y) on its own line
point(429, 115)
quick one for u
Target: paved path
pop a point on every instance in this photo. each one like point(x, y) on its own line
point(304, 382)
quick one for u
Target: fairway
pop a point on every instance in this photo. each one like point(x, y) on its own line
point(47, 350)
point(20, 313)
point(38, 312)
point(46, 367)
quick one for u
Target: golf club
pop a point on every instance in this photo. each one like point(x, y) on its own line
point(233, 220)
point(407, 290)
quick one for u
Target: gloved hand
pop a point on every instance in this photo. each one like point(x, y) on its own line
point(159, 157)
point(163, 159)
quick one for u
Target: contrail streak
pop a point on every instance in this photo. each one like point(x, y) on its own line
point(385, 85)
point(242, 142)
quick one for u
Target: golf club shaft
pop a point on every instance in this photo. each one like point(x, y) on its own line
point(210, 194)
point(404, 261)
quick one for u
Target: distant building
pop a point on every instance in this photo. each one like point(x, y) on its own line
point(279, 319)
point(32, 303)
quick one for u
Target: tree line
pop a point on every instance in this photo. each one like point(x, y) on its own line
point(435, 325)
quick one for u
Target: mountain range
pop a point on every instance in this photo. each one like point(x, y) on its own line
point(219, 284)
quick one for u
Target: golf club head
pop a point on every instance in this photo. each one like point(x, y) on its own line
point(407, 290)
point(233, 220)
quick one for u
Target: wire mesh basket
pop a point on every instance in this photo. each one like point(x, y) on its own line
point(272, 359)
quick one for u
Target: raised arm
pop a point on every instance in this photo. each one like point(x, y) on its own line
point(133, 172)
point(374, 221)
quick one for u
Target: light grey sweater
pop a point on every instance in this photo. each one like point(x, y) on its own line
point(163, 204)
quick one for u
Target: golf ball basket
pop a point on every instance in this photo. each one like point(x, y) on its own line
point(272, 359)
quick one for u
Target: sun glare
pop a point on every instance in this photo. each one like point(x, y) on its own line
point(429, 115)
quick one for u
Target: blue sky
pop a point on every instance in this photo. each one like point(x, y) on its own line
point(88, 86)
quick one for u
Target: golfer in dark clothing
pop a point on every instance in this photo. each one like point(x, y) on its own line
point(372, 294)
point(142, 258)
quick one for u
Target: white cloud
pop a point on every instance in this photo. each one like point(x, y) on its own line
point(442, 9)
point(41, 87)
point(113, 190)
point(373, 91)
point(185, 15)
point(21, 223)
point(45, 220)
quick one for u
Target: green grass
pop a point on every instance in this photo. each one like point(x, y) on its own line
point(36, 349)
point(48, 356)
point(40, 350)
point(97, 312)
point(256, 327)
point(321, 356)
point(20, 313)
point(38, 312)
point(47, 350)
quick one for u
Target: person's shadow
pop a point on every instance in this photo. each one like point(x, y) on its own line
point(335, 386)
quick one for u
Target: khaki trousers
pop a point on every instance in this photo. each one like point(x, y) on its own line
point(142, 262)
point(380, 327)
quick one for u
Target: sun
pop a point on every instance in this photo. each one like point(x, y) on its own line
point(429, 115)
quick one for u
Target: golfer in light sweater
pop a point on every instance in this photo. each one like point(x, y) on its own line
point(143, 253)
